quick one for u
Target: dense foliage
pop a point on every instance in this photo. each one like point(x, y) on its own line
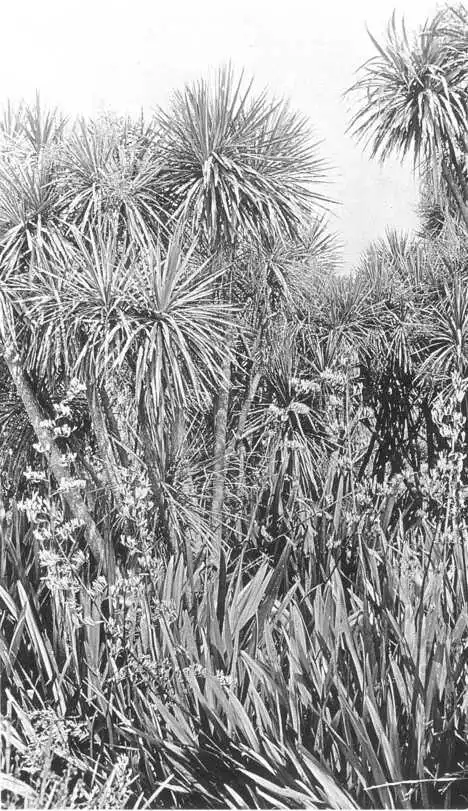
point(233, 532)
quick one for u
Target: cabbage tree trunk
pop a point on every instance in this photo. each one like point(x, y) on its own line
point(219, 453)
point(241, 443)
point(58, 467)
point(106, 451)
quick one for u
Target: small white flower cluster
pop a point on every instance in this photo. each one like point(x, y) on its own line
point(49, 737)
point(130, 542)
point(49, 559)
point(68, 458)
point(67, 485)
point(278, 413)
point(60, 575)
point(334, 377)
point(35, 506)
point(34, 476)
point(42, 534)
point(131, 585)
point(78, 560)
point(224, 679)
point(65, 530)
point(143, 671)
point(64, 430)
point(98, 587)
point(298, 408)
point(42, 447)
point(142, 492)
point(116, 791)
point(199, 671)
point(62, 410)
point(63, 413)
point(305, 386)
point(195, 669)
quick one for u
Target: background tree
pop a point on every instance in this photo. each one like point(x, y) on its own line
point(414, 100)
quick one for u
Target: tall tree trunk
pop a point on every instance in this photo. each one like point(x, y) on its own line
point(151, 458)
point(253, 386)
point(58, 467)
point(177, 431)
point(106, 452)
point(244, 413)
point(113, 426)
point(219, 454)
point(154, 467)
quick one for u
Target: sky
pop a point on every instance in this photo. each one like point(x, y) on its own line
point(86, 56)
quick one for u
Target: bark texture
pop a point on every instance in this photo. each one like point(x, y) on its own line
point(244, 413)
point(106, 451)
point(219, 454)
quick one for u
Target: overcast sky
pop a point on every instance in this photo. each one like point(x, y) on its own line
point(89, 55)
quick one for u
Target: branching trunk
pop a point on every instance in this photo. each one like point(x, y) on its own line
point(58, 467)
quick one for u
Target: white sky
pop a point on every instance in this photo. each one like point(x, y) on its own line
point(86, 55)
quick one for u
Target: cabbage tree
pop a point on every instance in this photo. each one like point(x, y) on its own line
point(88, 290)
point(240, 168)
point(413, 100)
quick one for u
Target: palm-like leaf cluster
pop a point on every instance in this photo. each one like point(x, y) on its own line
point(111, 170)
point(238, 165)
point(94, 309)
point(415, 95)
